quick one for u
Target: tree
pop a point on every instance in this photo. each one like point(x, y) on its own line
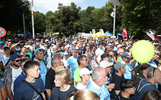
point(65, 19)
point(11, 15)
point(140, 15)
point(39, 22)
point(48, 23)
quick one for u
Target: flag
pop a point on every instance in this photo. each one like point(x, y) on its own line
point(124, 33)
point(151, 33)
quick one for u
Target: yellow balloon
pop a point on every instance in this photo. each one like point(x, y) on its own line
point(143, 51)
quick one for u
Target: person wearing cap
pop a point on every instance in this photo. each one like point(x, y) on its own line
point(66, 49)
point(82, 63)
point(22, 76)
point(98, 53)
point(129, 44)
point(73, 46)
point(105, 57)
point(39, 56)
point(97, 84)
point(11, 74)
point(126, 60)
point(13, 49)
point(118, 76)
point(84, 73)
point(72, 63)
point(107, 66)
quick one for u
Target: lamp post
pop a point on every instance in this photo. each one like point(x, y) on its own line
point(24, 30)
point(115, 3)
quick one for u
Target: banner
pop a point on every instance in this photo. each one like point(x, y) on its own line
point(124, 33)
point(150, 33)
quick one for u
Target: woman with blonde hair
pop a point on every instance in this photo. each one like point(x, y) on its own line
point(86, 94)
point(63, 86)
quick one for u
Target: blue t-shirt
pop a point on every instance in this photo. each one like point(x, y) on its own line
point(72, 63)
point(127, 74)
point(63, 94)
point(25, 92)
point(1, 84)
point(102, 92)
point(18, 81)
point(43, 70)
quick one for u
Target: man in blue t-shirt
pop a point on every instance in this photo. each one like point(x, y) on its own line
point(39, 56)
point(99, 79)
point(72, 63)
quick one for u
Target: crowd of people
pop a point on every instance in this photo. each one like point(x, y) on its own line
point(76, 68)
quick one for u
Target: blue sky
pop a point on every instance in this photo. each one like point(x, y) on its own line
point(51, 5)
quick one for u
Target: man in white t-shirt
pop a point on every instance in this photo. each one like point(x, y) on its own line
point(85, 75)
point(99, 52)
point(11, 74)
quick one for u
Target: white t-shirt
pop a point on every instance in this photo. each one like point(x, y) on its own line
point(98, 53)
point(80, 86)
point(15, 74)
point(65, 62)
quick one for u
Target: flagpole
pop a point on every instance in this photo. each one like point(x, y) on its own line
point(33, 31)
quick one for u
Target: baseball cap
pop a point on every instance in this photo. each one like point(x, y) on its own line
point(14, 56)
point(100, 43)
point(67, 46)
point(1, 43)
point(105, 64)
point(104, 55)
point(65, 54)
point(74, 42)
point(84, 71)
point(37, 50)
point(124, 55)
point(119, 65)
point(119, 46)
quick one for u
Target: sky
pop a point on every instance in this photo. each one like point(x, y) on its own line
point(43, 6)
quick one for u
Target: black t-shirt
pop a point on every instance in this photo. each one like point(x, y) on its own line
point(50, 77)
point(117, 80)
point(121, 97)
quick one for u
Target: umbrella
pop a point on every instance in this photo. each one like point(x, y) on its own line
point(99, 34)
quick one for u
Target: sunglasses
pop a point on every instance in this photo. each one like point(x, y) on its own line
point(127, 57)
point(17, 60)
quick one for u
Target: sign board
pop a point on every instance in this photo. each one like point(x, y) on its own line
point(2, 32)
point(115, 2)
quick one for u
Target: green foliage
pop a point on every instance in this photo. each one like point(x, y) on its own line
point(140, 15)
point(65, 20)
point(39, 21)
point(11, 15)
